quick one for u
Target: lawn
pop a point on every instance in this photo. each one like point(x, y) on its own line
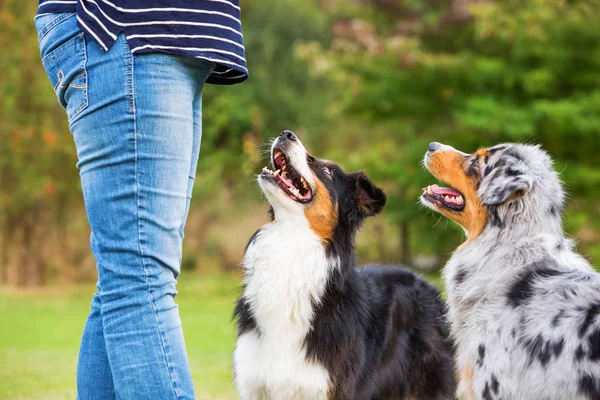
point(40, 332)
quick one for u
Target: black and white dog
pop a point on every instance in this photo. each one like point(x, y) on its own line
point(524, 307)
point(312, 326)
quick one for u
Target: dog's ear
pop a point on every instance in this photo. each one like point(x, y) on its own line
point(370, 198)
point(508, 179)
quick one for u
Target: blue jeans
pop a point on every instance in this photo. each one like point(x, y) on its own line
point(136, 122)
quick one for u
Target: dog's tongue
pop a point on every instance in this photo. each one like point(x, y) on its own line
point(443, 191)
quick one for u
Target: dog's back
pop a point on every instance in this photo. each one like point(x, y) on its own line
point(388, 326)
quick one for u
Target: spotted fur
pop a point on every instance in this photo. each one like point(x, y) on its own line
point(524, 307)
point(311, 325)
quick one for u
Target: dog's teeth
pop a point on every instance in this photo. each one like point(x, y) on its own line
point(429, 190)
point(459, 200)
point(276, 173)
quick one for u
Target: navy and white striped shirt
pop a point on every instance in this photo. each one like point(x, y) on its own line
point(208, 29)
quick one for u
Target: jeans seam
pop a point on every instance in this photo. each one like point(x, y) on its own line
point(83, 66)
point(131, 78)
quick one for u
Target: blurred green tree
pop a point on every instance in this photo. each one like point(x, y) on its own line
point(38, 179)
point(470, 74)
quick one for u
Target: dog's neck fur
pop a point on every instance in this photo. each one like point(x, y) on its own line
point(287, 269)
point(493, 236)
point(536, 214)
point(525, 234)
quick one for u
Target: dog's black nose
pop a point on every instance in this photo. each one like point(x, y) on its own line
point(288, 135)
point(433, 146)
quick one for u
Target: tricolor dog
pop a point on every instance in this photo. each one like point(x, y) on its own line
point(311, 325)
point(524, 308)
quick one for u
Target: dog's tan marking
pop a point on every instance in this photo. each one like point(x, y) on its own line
point(449, 167)
point(465, 380)
point(481, 152)
point(322, 215)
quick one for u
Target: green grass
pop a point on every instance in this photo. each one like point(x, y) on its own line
point(40, 332)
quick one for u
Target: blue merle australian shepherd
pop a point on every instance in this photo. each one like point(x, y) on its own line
point(524, 307)
point(312, 326)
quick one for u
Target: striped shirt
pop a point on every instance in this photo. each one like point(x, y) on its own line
point(207, 29)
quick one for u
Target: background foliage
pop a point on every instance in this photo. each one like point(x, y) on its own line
point(367, 83)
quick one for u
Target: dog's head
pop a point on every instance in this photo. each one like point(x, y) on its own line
point(502, 185)
point(302, 186)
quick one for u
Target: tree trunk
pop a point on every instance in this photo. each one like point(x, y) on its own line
point(4, 256)
point(20, 261)
point(64, 271)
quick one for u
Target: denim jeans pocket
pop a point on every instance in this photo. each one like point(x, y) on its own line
point(66, 69)
point(45, 24)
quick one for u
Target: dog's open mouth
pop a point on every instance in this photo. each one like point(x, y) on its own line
point(288, 179)
point(448, 198)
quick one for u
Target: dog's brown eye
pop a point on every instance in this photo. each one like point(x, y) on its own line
point(327, 171)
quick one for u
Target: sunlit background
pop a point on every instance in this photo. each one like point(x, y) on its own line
point(366, 83)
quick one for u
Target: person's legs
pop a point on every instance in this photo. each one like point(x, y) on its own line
point(94, 376)
point(132, 119)
point(197, 107)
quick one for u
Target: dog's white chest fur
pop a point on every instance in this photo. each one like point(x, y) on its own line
point(286, 272)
